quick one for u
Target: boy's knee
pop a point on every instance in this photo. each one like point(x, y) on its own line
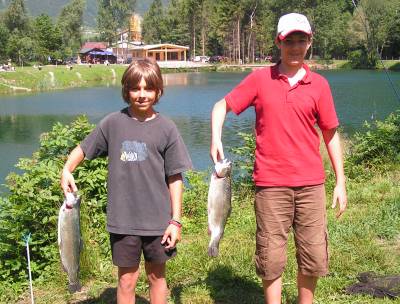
point(127, 279)
point(155, 272)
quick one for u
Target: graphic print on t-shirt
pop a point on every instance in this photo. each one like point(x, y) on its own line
point(133, 151)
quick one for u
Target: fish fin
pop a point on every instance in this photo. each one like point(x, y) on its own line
point(75, 287)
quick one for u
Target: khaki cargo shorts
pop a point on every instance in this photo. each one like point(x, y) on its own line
point(278, 209)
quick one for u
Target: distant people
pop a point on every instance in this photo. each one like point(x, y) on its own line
point(146, 159)
point(289, 101)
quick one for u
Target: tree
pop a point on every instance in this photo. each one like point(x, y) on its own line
point(4, 36)
point(48, 38)
point(176, 26)
point(70, 22)
point(15, 17)
point(20, 48)
point(112, 16)
point(153, 23)
point(330, 20)
point(372, 25)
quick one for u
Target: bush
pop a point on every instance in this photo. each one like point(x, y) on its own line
point(361, 59)
point(376, 148)
point(35, 197)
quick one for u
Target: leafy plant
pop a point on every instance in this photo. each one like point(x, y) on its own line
point(376, 148)
point(244, 159)
point(35, 197)
point(361, 59)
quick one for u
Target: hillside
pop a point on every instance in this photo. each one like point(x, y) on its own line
point(53, 7)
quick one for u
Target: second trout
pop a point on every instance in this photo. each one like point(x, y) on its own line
point(219, 203)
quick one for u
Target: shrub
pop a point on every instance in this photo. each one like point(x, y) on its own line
point(361, 59)
point(35, 197)
point(376, 148)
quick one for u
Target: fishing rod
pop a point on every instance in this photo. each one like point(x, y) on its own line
point(379, 55)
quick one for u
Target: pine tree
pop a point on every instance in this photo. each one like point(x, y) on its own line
point(113, 15)
point(70, 22)
point(15, 17)
point(153, 23)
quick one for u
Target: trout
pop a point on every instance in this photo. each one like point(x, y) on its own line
point(219, 203)
point(69, 239)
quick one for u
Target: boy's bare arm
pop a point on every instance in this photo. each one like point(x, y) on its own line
point(173, 233)
point(67, 180)
point(221, 108)
point(332, 142)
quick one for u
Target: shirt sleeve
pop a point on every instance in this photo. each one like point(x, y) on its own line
point(327, 118)
point(95, 144)
point(176, 156)
point(244, 94)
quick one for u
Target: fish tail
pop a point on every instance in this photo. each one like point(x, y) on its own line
point(213, 251)
point(74, 287)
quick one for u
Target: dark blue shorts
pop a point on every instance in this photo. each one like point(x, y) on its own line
point(127, 249)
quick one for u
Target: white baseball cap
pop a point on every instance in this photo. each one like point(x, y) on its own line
point(293, 22)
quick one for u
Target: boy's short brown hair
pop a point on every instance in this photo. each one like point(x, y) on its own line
point(147, 69)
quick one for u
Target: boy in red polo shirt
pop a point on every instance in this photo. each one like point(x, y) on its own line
point(289, 100)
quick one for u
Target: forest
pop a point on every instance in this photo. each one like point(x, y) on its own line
point(241, 30)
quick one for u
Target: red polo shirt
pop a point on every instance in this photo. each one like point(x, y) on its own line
point(287, 142)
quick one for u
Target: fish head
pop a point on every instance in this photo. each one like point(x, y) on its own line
point(223, 168)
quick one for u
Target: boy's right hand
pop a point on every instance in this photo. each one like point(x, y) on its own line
point(216, 151)
point(67, 182)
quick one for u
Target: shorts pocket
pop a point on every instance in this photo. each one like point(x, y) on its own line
point(270, 256)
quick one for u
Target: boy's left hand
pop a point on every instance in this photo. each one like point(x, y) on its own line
point(339, 194)
point(171, 237)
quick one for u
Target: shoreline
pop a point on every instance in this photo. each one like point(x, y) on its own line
point(28, 80)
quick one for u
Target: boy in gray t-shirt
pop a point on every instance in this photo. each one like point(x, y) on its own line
point(146, 158)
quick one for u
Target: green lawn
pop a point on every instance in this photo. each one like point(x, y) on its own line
point(366, 238)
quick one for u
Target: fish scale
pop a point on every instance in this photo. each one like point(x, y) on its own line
point(219, 204)
point(69, 239)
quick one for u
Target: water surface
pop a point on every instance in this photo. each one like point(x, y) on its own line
point(359, 96)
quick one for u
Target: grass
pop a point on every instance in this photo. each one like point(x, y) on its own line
point(57, 77)
point(366, 238)
point(29, 79)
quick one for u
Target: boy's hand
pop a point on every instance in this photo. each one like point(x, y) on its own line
point(67, 182)
point(339, 194)
point(216, 151)
point(171, 236)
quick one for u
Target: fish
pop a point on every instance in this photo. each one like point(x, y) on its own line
point(219, 203)
point(69, 239)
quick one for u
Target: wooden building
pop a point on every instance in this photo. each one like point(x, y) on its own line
point(161, 52)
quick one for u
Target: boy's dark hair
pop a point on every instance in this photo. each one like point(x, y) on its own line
point(147, 69)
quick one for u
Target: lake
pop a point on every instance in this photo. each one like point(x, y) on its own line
point(188, 99)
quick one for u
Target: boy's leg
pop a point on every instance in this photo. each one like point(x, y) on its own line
point(127, 278)
point(310, 228)
point(155, 257)
point(274, 208)
point(158, 284)
point(126, 251)
point(306, 287)
point(272, 291)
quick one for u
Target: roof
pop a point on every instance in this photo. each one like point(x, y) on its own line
point(160, 45)
point(87, 50)
point(95, 45)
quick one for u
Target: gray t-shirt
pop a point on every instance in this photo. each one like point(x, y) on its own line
point(141, 155)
